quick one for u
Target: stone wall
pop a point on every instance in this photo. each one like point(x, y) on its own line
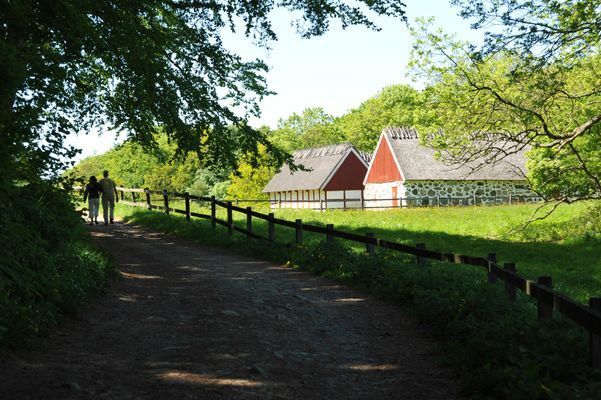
point(468, 192)
point(423, 193)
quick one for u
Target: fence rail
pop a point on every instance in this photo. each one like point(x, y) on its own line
point(380, 203)
point(548, 301)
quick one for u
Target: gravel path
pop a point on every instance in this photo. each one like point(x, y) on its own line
point(190, 322)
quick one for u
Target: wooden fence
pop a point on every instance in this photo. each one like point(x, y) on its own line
point(397, 202)
point(588, 317)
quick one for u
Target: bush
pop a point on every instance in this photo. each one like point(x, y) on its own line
point(47, 266)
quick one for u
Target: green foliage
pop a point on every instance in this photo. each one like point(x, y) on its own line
point(209, 182)
point(500, 349)
point(131, 165)
point(534, 85)
point(47, 267)
point(134, 65)
point(248, 181)
point(313, 128)
point(396, 105)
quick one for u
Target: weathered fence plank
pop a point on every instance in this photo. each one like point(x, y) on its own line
point(298, 231)
point(271, 228)
point(213, 212)
point(230, 220)
point(546, 299)
point(595, 339)
point(492, 262)
point(148, 202)
point(166, 201)
point(371, 247)
point(187, 200)
point(509, 286)
point(330, 232)
point(249, 223)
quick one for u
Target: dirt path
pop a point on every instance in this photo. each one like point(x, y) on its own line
point(191, 322)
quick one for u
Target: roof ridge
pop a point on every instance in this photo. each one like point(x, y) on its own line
point(401, 132)
point(323, 151)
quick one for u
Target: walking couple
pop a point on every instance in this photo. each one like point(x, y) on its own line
point(107, 188)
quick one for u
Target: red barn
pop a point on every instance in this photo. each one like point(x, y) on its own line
point(404, 173)
point(333, 179)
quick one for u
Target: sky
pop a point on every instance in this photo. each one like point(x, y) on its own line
point(336, 71)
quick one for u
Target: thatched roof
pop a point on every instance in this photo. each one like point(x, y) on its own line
point(320, 162)
point(419, 163)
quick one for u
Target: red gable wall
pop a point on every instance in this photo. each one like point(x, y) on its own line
point(383, 167)
point(349, 176)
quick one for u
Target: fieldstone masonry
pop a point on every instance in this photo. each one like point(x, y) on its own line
point(440, 192)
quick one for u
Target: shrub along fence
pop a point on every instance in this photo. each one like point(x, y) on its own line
point(588, 317)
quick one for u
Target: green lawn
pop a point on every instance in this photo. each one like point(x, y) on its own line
point(557, 246)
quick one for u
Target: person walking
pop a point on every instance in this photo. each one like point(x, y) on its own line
point(109, 197)
point(92, 194)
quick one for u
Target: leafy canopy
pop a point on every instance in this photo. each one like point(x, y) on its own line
point(314, 127)
point(395, 105)
point(534, 84)
point(70, 65)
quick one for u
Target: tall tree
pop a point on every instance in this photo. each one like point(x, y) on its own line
point(312, 128)
point(248, 181)
point(396, 105)
point(534, 84)
point(69, 65)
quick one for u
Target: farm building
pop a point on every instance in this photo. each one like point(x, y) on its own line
point(333, 179)
point(404, 173)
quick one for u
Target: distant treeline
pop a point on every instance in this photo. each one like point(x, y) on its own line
point(134, 166)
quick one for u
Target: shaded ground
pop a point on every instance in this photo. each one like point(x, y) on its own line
point(191, 322)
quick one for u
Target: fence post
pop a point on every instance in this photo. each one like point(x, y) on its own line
point(166, 201)
point(509, 287)
point(420, 259)
point(122, 195)
point(299, 231)
point(329, 235)
point(213, 212)
point(371, 248)
point(133, 197)
point(187, 200)
point(492, 262)
point(148, 204)
point(230, 222)
point(510, 198)
point(249, 222)
point(271, 228)
point(544, 310)
point(595, 341)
